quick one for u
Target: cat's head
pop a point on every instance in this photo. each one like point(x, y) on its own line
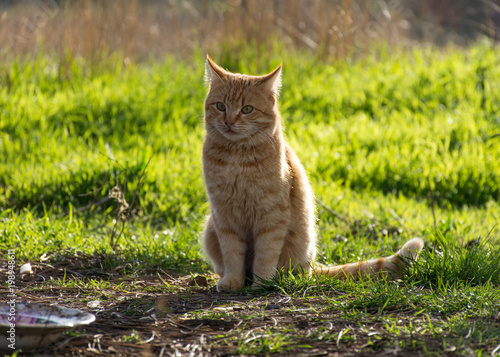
point(240, 107)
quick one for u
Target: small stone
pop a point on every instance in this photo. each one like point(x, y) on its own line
point(199, 281)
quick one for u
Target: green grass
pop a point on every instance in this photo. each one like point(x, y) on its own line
point(402, 144)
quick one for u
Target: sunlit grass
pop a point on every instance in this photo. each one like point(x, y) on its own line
point(383, 142)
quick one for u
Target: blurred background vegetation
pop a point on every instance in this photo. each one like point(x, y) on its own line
point(151, 28)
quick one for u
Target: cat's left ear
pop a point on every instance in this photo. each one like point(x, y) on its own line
point(272, 81)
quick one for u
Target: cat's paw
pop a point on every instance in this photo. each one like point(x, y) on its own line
point(229, 283)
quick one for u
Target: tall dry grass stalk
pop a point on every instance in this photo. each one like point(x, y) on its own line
point(139, 29)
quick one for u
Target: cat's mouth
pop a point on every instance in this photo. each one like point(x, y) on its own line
point(230, 132)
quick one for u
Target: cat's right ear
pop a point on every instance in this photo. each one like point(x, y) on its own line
point(213, 73)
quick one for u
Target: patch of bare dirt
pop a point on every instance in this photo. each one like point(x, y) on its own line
point(166, 315)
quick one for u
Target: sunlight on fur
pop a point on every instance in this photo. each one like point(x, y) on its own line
point(262, 215)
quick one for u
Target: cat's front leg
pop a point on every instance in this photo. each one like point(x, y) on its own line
point(233, 247)
point(212, 247)
point(268, 246)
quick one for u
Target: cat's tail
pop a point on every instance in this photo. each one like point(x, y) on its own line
point(391, 265)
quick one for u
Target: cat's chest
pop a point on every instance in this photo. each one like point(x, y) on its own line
point(236, 180)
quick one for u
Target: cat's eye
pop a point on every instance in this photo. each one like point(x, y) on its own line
point(247, 109)
point(220, 106)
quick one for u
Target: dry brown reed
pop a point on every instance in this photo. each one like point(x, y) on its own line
point(140, 29)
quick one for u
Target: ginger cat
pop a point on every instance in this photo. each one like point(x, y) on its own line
point(262, 205)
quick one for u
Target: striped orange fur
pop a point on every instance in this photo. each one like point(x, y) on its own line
point(262, 215)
